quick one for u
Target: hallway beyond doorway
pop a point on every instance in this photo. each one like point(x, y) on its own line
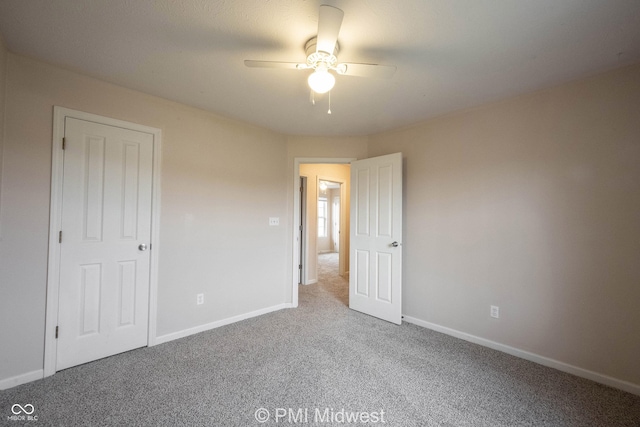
point(329, 278)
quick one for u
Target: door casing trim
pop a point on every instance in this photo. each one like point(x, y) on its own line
point(55, 221)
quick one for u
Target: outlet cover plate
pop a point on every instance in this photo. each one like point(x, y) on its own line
point(495, 311)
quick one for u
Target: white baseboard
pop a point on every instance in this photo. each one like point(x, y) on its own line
point(542, 360)
point(311, 282)
point(21, 379)
point(206, 327)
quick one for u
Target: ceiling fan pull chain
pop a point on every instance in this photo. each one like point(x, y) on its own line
point(329, 112)
point(312, 97)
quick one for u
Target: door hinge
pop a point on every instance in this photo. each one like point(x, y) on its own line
point(64, 143)
point(60, 237)
point(56, 332)
point(301, 189)
point(300, 228)
point(299, 266)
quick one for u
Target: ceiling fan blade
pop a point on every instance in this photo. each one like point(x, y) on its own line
point(366, 70)
point(329, 22)
point(274, 64)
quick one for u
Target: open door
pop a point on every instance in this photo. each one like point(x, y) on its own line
point(375, 281)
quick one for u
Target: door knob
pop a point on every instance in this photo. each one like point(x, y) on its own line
point(142, 247)
point(394, 244)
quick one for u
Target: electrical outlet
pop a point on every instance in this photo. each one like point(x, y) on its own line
point(495, 311)
point(200, 299)
point(274, 221)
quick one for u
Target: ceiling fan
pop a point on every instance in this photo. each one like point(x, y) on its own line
point(322, 56)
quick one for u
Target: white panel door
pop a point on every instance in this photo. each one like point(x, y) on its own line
point(106, 231)
point(375, 279)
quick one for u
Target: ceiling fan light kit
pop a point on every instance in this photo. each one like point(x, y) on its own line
point(321, 80)
point(322, 56)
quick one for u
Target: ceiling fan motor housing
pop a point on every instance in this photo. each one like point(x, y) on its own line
point(315, 57)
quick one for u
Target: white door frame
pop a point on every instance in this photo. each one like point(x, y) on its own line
point(55, 221)
point(336, 225)
point(302, 233)
point(297, 161)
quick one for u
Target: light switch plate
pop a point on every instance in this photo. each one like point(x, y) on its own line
point(274, 221)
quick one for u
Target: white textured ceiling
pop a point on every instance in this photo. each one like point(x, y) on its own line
point(450, 54)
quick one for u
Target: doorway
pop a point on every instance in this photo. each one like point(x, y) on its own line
point(329, 230)
point(375, 233)
point(336, 172)
point(329, 195)
point(323, 181)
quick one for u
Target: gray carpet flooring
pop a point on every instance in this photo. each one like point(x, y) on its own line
point(324, 359)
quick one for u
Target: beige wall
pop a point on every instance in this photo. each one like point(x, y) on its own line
point(355, 147)
point(221, 181)
point(314, 173)
point(533, 205)
point(3, 76)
